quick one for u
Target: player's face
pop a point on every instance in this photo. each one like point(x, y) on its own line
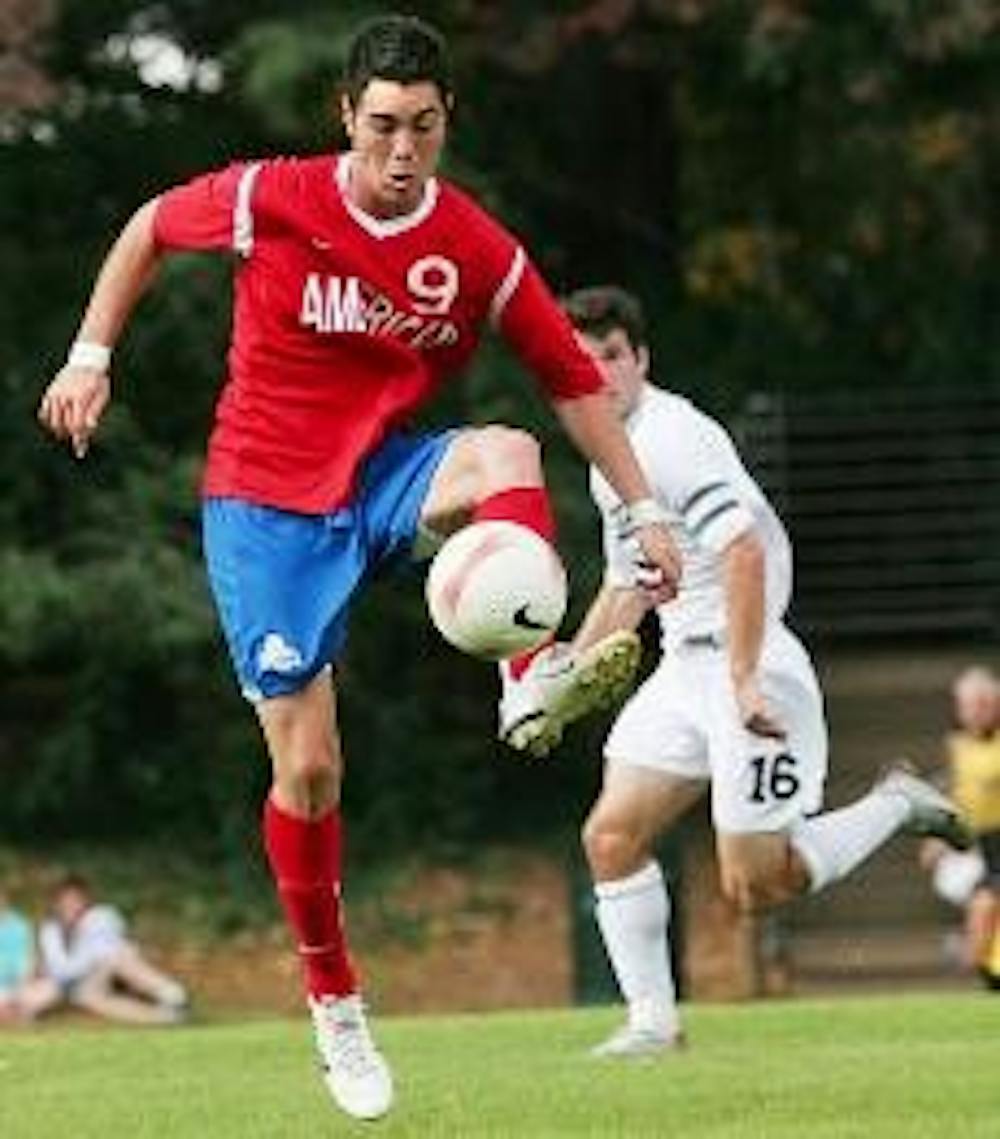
point(624, 367)
point(977, 707)
point(69, 905)
point(397, 131)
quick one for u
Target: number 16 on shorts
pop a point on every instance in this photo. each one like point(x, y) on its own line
point(773, 777)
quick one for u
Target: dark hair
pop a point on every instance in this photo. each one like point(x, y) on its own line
point(402, 48)
point(600, 309)
point(72, 881)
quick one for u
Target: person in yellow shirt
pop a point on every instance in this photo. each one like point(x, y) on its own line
point(972, 879)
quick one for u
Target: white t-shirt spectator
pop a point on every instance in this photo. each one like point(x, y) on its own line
point(68, 956)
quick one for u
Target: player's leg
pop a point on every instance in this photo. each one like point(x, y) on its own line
point(655, 769)
point(283, 584)
point(772, 841)
point(982, 915)
point(496, 473)
point(763, 869)
point(489, 473)
point(954, 877)
point(758, 871)
point(632, 900)
point(980, 926)
point(985, 936)
point(303, 840)
point(833, 844)
point(302, 830)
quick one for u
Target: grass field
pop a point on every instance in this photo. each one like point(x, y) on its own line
point(923, 1067)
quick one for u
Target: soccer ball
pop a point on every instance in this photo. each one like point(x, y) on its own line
point(496, 589)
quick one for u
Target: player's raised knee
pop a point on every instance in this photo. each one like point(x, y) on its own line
point(512, 456)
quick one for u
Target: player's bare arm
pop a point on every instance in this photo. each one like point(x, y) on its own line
point(613, 608)
point(743, 570)
point(597, 432)
point(74, 401)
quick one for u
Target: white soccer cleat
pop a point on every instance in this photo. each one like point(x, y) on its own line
point(632, 1043)
point(560, 687)
point(932, 814)
point(354, 1070)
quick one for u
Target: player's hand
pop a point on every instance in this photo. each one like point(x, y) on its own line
point(656, 561)
point(659, 566)
point(73, 404)
point(756, 713)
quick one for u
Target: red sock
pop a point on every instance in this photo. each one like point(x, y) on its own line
point(529, 506)
point(305, 861)
point(519, 665)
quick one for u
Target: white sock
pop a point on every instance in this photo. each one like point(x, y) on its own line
point(833, 844)
point(632, 914)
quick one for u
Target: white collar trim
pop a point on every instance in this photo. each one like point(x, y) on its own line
point(385, 227)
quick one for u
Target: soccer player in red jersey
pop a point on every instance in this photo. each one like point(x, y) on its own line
point(362, 282)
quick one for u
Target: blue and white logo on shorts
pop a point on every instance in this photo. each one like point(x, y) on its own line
point(277, 655)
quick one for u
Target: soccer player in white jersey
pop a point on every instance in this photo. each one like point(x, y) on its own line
point(733, 705)
point(362, 284)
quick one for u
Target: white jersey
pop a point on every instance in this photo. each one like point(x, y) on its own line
point(68, 957)
point(696, 475)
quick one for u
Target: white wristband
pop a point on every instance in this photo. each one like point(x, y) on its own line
point(644, 512)
point(88, 354)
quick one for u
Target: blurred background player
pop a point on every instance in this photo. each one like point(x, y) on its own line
point(970, 879)
point(88, 961)
point(362, 282)
point(17, 957)
point(734, 702)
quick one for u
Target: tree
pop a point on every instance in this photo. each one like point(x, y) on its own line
point(803, 194)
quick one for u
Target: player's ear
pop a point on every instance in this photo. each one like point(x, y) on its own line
point(642, 358)
point(347, 114)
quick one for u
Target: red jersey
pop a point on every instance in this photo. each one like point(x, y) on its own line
point(345, 324)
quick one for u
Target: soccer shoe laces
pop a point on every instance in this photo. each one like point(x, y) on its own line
point(343, 1036)
point(355, 1073)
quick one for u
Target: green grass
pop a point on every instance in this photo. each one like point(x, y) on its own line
point(923, 1067)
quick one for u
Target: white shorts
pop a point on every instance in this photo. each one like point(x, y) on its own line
point(684, 721)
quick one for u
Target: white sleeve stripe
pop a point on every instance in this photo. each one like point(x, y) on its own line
point(242, 211)
point(508, 286)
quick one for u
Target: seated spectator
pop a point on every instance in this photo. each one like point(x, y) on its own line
point(971, 879)
point(88, 961)
point(17, 957)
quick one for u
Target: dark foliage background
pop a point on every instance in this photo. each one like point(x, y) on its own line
point(806, 196)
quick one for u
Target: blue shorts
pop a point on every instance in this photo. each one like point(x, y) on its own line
point(283, 582)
